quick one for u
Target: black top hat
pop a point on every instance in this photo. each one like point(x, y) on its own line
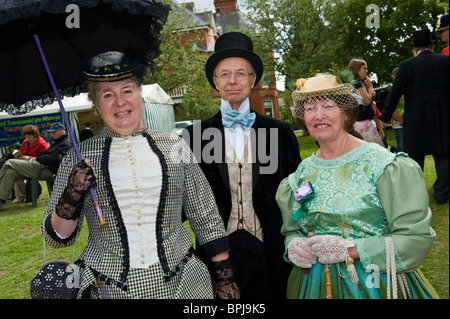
point(442, 23)
point(233, 44)
point(422, 38)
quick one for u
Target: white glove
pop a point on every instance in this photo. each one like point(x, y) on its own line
point(300, 253)
point(330, 249)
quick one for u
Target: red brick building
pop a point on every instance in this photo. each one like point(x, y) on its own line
point(264, 97)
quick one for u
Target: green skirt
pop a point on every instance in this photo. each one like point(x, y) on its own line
point(371, 285)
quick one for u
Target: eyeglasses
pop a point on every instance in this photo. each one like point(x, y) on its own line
point(311, 109)
point(237, 75)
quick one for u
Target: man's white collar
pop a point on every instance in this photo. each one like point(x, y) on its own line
point(245, 105)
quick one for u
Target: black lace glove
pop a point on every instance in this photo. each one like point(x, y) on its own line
point(226, 283)
point(81, 179)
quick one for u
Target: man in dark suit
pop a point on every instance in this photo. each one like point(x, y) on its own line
point(424, 80)
point(244, 156)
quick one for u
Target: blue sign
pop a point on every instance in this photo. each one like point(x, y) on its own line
point(11, 129)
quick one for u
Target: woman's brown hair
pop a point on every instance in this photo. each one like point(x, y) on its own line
point(355, 65)
point(30, 130)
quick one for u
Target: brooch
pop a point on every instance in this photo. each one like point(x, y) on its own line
point(302, 195)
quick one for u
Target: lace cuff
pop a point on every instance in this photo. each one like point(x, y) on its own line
point(226, 282)
point(71, 202)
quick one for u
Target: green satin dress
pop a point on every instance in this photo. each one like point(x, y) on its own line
point(366, 194)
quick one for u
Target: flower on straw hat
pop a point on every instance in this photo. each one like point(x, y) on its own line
point(300, 82)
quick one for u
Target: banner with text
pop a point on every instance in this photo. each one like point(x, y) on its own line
point(11, 129)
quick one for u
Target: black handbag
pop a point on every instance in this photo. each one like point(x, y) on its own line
point(56, 279)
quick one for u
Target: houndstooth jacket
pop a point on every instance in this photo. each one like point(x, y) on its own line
point(184, 188)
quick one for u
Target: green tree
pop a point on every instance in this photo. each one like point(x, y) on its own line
point(385, 46)
point(310, 36)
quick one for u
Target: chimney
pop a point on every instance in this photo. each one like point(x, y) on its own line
point(224, 6)
point(191, 7)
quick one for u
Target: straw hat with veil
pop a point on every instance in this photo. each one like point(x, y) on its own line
point(324, 86)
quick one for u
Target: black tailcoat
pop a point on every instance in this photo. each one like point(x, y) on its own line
point(265, 186)
point(423, 80)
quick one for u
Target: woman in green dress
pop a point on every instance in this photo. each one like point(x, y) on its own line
point(354, 214)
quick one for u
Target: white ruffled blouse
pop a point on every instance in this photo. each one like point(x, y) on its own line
point(137, 181)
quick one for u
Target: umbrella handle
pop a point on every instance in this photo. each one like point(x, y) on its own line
point(102, 221)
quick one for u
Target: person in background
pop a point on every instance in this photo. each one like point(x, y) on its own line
point(85, 134)
point(18, 169)
point(442, 30)
point(252, 154)
point(351, 204)
point(32, 145)
point(397, 120)
point(365, 124)
point(423, 82)
point(143, 185)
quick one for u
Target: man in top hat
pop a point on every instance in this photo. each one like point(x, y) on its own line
point(244, 156)
point(15, 169)
point(424, 80)
point(442, 30)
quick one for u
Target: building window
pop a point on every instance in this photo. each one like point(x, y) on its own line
point(268, 108)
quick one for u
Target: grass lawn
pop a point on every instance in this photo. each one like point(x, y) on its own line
point(21, 244)
point(21, 247)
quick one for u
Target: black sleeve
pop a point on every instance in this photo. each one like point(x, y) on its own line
point(53, 155)
point(292, 151)
point(358, 84)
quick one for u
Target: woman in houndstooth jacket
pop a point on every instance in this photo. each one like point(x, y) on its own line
point(145, 180)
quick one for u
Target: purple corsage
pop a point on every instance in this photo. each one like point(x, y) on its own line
point(302, 194)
